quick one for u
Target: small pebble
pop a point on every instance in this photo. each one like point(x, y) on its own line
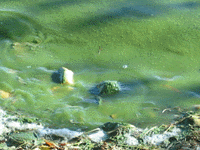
point(125, 66)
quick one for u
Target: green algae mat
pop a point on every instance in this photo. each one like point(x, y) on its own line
point(151, 48)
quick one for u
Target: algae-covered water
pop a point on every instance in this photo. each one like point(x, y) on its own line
point(151, 47)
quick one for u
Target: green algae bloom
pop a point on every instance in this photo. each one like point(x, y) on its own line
point(108, 87)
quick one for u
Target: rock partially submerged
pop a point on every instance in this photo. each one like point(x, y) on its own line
point(108, 87)
point(66, 76)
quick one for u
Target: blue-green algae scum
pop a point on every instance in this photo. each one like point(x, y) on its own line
point(151, 47)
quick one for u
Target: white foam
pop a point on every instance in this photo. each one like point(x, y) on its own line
point(7, 124)
point(2, 126)
point(168, 79)
point(3, 119)
point(69, 134)
point(131, 140)
point(8, 70)
point(157, 139)
point(98, 136)
point(45, 69)
point(33, 80)
point(26, 126)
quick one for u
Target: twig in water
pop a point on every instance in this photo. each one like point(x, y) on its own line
point(100, 49)
point(166, 110)
point(171, 125)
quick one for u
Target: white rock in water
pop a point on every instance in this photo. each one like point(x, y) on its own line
point(66, 75)
point(125, 66)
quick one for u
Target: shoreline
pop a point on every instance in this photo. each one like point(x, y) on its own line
point(19, 132)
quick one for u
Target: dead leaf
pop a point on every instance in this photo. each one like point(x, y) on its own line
point(49, 143)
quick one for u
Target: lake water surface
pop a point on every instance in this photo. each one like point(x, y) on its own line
point(151, 47)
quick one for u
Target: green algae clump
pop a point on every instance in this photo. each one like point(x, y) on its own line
point(108, 87)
